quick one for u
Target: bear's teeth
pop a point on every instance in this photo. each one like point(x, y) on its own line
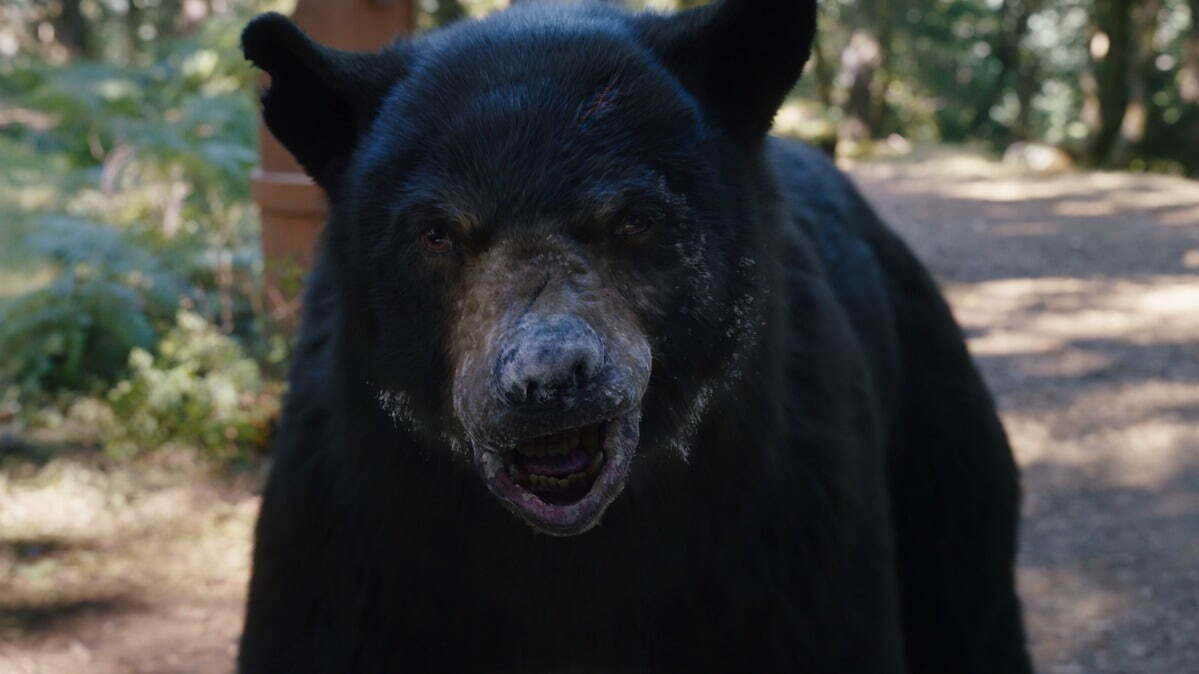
point(551, 483)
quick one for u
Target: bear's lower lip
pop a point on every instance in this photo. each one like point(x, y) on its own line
point(561, 483)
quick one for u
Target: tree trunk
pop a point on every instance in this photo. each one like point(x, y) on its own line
point(1028, 85)
point(1141, 65)
point(885, 26)
point(859, 63)
point(1013, 64)
point(72, 29)
point(1190, 72)
point(823, 72)
point(1113, 55)
point(864, 65)
point(1189, 87)
point(133, 21)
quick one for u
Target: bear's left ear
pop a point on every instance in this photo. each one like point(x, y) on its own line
point(739, 57)
point(320, 100)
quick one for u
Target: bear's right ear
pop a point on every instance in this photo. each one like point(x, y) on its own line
point(739, 57)
point(320, 100)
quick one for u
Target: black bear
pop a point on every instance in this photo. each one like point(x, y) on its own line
point(595, 376)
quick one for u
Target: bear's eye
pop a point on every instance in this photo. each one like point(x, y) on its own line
point(435, 240)
point(633, 226)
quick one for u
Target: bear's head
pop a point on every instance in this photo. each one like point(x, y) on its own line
point(545, 226)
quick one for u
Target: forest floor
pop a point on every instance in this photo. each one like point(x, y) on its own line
point(1080, 296)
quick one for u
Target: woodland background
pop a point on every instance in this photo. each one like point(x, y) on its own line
point(129, 259)
point(1040, 155)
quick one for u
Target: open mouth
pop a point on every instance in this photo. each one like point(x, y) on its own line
point(560, 483)
point(560, 468)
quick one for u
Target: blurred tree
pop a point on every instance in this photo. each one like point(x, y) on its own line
point(447, 12)
point(865, 64)
point(1114, 81)
point(1017, 69)
point(1189, 88)
point(1109, 83)
point(72, 29)
point(823, 70)
point(1027, 69)
point(1142, 68)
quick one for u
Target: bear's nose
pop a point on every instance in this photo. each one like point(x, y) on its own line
point(548, 362)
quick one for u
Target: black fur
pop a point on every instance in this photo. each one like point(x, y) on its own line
point(822, 483)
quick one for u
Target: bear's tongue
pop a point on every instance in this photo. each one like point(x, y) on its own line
point(557, 465)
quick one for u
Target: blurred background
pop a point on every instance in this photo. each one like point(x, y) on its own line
point(1037, 153)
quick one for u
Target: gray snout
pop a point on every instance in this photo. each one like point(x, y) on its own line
point(549, 362)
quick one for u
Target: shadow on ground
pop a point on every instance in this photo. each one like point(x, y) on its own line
point(112, 567)
point(978, 222)
point(27, 620)
point(1109, 570)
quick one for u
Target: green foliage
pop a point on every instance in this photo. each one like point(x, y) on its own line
point(125, 197)
point(128, 129)
point(201, 390)
point(77, 331)
point(71, 334)
point(999, 71)
point(89, 251)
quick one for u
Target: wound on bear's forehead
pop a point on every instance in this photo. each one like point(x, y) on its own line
point(603, 101)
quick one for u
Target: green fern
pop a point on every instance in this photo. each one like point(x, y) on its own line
point(71, 334)
point(77, 332)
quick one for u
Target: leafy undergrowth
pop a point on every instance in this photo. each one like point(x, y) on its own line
point(130, 315)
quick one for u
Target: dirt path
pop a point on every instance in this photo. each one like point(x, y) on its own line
point(116, 569)
point(1080, 294)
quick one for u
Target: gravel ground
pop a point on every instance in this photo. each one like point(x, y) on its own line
point(1080, 295)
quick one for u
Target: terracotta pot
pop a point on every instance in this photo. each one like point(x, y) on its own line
point(292, 207)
